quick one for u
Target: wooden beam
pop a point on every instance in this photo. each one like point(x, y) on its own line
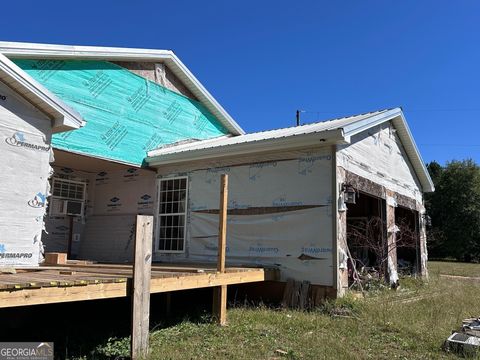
point(141, 287)
point(55, 258)
point(220, 292)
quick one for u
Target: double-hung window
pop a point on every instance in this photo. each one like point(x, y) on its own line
point(172, 213)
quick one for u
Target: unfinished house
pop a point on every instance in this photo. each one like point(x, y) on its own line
point(317, 203)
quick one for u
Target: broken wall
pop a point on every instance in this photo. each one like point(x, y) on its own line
point(25, 154)
point(376, 163)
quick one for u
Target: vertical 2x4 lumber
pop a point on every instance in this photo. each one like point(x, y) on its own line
point(220, 292)
point(142, 264)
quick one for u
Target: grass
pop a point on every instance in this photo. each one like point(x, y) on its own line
point(454, 268)
point(410, 323)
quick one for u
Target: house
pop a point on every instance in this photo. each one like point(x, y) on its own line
point(301, 199)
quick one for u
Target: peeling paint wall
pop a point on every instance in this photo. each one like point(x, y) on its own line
point(376, 163)
point(378, 155)
point(342, 280)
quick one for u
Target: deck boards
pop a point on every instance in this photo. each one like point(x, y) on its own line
point(78, 282)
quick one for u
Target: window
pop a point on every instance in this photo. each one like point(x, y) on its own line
point(68, 189)
point(68, 197)
point(172, 214)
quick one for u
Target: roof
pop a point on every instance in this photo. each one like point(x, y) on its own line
point(336, 131)
point(20, 50)
point(64, 118)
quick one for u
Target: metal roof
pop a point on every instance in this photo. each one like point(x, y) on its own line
point(64, 118)
point(48, 51)
point(335, 131)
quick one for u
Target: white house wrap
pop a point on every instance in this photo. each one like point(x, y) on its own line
point(280, 214)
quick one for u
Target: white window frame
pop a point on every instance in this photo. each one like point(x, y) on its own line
point(83, 183)
point(158, 215)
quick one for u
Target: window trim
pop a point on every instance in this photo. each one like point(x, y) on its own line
point(158, 216)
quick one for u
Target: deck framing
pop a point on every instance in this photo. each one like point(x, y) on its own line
point(71, 282)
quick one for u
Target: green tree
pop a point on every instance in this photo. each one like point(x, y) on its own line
point(454, 208)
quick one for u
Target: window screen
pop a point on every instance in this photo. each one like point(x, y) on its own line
point(172, 214)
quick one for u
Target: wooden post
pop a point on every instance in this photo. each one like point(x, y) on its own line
point(142, 263)
point(220, 292)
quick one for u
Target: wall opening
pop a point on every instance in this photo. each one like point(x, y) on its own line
point(367, 238)
point(408, 240)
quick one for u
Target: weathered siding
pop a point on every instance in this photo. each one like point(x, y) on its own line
point(378, 155)
point(25, 155)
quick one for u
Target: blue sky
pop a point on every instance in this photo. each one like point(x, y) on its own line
point(262, 60)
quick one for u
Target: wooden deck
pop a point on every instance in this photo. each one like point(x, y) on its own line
point(79, 282)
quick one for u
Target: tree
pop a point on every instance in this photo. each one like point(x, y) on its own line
point(454, 208)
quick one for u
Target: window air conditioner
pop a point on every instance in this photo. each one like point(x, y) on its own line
point(61, 207)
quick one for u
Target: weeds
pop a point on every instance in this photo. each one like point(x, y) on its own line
point(409, 323)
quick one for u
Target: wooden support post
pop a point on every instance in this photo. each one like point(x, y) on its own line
point(220, 292)
point(142, 263)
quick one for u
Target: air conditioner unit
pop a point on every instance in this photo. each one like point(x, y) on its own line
point(74, 208)
point(61, 207)
point(56, 207)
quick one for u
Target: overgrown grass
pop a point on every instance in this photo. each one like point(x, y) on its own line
point(454, 268)
point(410, 323)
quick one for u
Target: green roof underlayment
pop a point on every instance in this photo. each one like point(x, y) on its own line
point(126, 114)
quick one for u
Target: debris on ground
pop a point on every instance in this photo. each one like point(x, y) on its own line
point(465, 341)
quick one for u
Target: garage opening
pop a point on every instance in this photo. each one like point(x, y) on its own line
point(366, 238)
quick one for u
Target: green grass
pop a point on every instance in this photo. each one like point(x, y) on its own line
point(454, 268)
point(410, 323)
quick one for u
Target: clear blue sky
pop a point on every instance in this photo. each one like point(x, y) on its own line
point(264, 59)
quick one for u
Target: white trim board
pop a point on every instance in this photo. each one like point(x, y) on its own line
point(63, 117)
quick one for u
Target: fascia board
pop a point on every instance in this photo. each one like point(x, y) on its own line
point(65, 117)
point(287, 143)
point(427, 184)
point(369, 122)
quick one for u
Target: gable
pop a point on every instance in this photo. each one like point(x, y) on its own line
point(378, 155)
point(126, 115)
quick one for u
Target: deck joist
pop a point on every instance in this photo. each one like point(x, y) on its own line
point(79, 282)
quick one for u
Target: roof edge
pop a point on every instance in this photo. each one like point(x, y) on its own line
point(405, 136)
point(66, 118)
point(327, 137)
point(51, 51)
